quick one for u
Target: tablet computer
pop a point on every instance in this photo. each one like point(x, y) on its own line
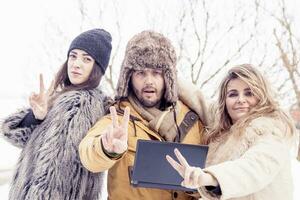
point(152, 170)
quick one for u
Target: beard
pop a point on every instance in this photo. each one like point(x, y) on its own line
point(146, 102)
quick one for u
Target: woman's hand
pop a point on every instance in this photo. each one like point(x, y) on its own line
point(39, 102)
point(193, 177)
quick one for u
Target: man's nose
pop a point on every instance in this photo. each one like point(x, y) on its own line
point(149, 79)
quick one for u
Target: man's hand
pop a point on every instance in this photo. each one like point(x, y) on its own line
point(115, 138)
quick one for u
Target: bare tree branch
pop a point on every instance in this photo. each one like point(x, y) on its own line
point(227, 61)
point(205, 40)
point(198, 39)
point(109, 77)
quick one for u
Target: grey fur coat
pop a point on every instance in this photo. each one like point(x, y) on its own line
point(49, 166)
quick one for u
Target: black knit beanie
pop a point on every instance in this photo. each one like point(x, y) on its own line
point(97, 43)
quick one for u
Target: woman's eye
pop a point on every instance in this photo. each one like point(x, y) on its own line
point(232, 94)
point(87, 59)
point(248, 94)
point(72, 56)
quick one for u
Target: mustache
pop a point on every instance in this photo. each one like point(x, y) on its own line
point(149, 88)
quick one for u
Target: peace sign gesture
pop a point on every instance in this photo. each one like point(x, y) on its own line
point(115, 138)
point(39, 102)
point(193, 177)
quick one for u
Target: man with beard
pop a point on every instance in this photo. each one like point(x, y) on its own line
point(146, 107)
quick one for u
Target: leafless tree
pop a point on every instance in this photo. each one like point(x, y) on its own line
point(287, 60)
point(109, 77)
point(197, 23)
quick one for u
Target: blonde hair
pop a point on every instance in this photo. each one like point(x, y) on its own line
point(266, 106)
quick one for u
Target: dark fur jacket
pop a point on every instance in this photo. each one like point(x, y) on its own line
point(49, 166)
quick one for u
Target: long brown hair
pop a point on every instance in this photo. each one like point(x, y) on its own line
point(266, 106)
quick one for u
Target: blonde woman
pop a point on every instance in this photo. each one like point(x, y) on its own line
point(249, 144)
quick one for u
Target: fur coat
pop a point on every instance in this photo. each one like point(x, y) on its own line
point(255, 165)
point(49, 166)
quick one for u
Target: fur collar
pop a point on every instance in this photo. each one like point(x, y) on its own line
point(191, 96)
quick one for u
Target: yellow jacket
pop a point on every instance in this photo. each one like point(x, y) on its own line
point(94, 159)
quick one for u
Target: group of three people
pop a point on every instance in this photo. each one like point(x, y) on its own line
point(72, 132)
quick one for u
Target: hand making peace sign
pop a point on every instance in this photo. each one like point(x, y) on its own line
point(193, 177)
point(115, 138)
point(39, 102)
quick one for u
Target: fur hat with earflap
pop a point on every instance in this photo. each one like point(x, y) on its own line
point(149, 49)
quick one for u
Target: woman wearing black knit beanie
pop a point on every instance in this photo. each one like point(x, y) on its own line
point(50, 131)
